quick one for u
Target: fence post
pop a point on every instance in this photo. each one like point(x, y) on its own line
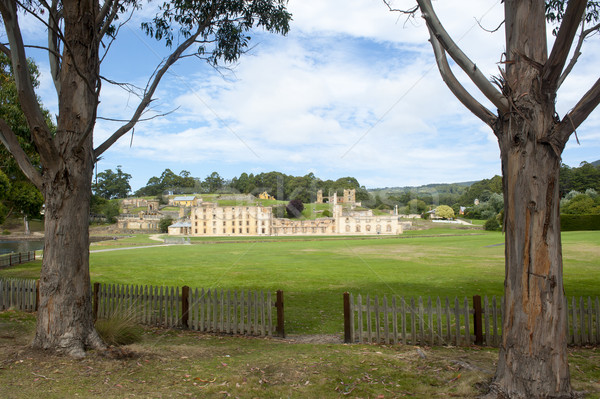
point(185, 306)
point(477, 325)
point(280, 319)
point(37, 294)
point(96, 294)
point(347, 316)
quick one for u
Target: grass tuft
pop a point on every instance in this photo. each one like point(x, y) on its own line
point(120, 328)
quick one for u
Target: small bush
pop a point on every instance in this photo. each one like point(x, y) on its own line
point(5, 232)
point(579, 222)
point(326, 214)
point(164, 223)
point(492, 224)
point(119, 329)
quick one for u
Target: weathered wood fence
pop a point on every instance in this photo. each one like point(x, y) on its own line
point(219, 311)
point(18, 294)
point(450, 322)
point(16, 258)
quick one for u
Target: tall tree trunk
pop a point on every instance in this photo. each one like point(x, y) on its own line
point(65, 321)
point(533, 354)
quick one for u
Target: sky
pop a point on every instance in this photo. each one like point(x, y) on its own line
point(352, 90)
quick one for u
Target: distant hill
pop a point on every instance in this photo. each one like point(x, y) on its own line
point(438, 187)
point(596, 163)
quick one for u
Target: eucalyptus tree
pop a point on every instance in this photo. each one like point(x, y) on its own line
point(79, 35)
point(531, 136)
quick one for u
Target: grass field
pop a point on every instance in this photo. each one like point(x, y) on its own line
point(175, 363)
point(314, 274)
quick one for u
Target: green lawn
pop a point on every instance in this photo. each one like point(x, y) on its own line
point(314, 274)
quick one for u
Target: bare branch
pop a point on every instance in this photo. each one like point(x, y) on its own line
point(584, 34)
point(410, 11)
point(108, 20)
point(579, 113)
point(35, 118)
point(564, 39)
point(141, 119)
point(5, 49)
point(488, 30)
point(54, 44)
point(10, 141)
point(483, 84)
point(149, 92)
point(456, 88)
point(153, 84)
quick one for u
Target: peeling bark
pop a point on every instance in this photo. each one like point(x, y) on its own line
point(65, 321)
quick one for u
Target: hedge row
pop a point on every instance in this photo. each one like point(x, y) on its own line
point(579, 222)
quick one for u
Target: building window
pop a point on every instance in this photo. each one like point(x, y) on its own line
point(196, 231)
point(358, 228)
point(389, 228)
point(224, 223)
point(347, 229)
point(240, 230)
point(368, 227)
point(214, 231)
point(204, 231)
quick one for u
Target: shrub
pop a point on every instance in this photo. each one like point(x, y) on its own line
point(492, 225)
point(279, 211)
point(164, 223)
point(326, 214)
point(579, 222)
point(119, 328)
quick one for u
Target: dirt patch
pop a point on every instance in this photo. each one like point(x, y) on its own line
point(315, 339)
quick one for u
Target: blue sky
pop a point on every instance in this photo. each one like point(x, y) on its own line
point(353, 90)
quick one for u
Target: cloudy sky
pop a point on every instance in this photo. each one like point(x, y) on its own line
point(352, 90)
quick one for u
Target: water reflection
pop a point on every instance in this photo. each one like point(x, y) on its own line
point(7, 247)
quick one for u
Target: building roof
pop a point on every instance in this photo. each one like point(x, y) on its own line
point(185, 198)
point(181, 224)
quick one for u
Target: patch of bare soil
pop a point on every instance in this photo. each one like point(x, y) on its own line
point(314, 339)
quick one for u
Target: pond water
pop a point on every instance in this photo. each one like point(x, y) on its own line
point(7, 247)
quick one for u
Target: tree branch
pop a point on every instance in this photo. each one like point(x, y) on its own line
point(562, 45)
point(147, 99)
point(482, 83)
point(5, 50)
point(35, 118)
point(153, 84)
point(456, 88)
point(54, 45)
point(584, 34)
point(10, 141)
point(579, 113)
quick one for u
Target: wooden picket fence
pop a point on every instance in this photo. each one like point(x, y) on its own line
point(18, 294)
point(446, 322)
point(16, 258)
point(219, 311)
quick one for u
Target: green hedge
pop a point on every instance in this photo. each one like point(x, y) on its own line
point(579, 222)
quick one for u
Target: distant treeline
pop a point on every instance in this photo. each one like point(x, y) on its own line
point(279, 185)
point(408, 199)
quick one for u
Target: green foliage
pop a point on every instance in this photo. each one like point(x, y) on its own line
point(221, 25)
point(111, 184)
point(326, 214)
point(586, 176)
point(102, 207)
point(169, 181)
point(119, 328)
point(164, 223)
point(279, 211)
point(444, 211)
point(492, 225)
point(16, 193)
point(25, 197)
point(579, 222)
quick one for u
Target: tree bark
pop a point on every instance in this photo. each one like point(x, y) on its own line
point(65, 322)
point(533, 354)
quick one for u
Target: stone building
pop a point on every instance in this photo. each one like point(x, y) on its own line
point(208, 219)
point(212, 220)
